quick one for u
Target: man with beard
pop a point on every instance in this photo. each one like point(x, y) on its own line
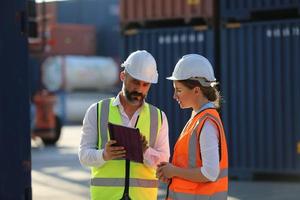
point(113, 177)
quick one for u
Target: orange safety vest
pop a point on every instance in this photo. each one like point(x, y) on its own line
point(187, 155)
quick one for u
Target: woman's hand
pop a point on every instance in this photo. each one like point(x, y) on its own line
point(165, 171)
point(112, 152)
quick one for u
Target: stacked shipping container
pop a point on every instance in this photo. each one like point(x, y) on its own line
point(143, 11)
point(259, 69)
point(258, 72)
point(104, 15)
point(259, 83)
point(56, 38)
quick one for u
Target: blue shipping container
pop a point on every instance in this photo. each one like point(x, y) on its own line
point(168, 45)
point(260, 83)
point(15, 167)
point(104, 14)
point(242, 9)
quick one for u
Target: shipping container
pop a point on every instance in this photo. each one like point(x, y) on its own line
point(46, 12)
point(104, 15)
point(15, 167)
point(258, 9)
point(66, 39)
point(40, 17)
point(41, 14)
point(168, 45)
point(260, 86)
point(145, 11)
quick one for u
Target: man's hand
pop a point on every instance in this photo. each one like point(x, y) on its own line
point(144, 143)
point(112, 152)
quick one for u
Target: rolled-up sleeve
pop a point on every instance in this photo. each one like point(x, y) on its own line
point(209, 147)
point(88, 153)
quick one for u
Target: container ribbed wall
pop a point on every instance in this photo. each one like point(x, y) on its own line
point(168, 45)
point(15, 177)
point(260, 84)
point(74, 39)
point(148, 10)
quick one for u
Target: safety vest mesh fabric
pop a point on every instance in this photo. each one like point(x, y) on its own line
point(187, 155)
point(108, 181)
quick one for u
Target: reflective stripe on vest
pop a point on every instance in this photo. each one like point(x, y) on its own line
point(185, 196)
point(153, 125)
point(133, 182)
point(104, 122)
point(223, 173)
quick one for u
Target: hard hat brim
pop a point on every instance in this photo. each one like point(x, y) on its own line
point(201, 81)
point(152, 81)
point(172, 78)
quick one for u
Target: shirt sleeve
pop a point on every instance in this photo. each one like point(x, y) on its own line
point(160, 152)
point(88, 153)
point(209, 147)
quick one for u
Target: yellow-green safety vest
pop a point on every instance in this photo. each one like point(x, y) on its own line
point(108, 181)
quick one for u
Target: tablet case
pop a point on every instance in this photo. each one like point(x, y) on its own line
point(129, 138)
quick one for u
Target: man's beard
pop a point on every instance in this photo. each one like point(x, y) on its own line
point(134, 97)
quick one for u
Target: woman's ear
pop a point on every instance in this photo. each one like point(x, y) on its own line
point(197, 90)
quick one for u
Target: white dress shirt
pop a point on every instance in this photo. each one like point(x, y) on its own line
point(209, 147)
point(90, 156)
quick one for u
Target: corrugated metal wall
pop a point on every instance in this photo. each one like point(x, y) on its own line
point(72, 39)
point(260, 84)
point(168, 45)
point(148, 10)
point(242, 9)
point(15, 167)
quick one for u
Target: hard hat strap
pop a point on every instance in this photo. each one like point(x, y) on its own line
point(204, 82)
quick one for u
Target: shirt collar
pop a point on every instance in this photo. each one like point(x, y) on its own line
point(206, 106)
point(116, 101)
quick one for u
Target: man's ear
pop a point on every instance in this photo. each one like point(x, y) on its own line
point(122, 75)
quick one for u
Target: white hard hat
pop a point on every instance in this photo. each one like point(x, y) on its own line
point(195, 67)
point(142, 66)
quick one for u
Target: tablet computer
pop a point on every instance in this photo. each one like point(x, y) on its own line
point(129, 138)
